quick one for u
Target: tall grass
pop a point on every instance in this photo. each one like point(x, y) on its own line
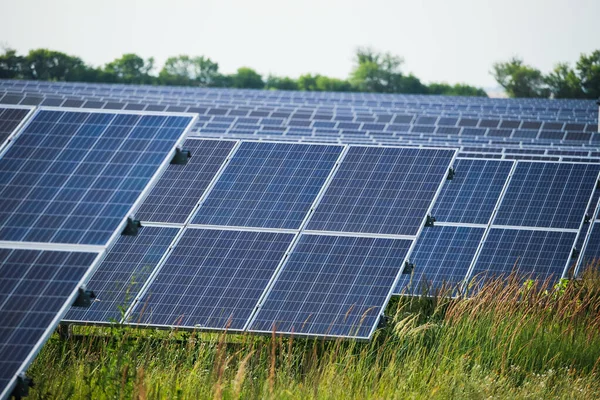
point(506, 341)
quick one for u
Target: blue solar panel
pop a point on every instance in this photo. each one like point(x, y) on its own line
point(470, 197)
point(268, 185)
point(10, 118)
point(552, 195)
point(34, 287)
point(382, 190)
point(212, 279)
point(332, 286)
point(178, 190)
point(591, 254)
point(534, 254)
point(71, 177)
point(442, 256)
point(122, 273)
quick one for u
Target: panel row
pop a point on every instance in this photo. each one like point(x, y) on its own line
point(68, 180)
point(246, 280)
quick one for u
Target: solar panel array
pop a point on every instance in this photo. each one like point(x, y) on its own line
point(240, 249)
point(69, 180)
point(297, 212)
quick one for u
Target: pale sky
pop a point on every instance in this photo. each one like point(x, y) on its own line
point(441, 40)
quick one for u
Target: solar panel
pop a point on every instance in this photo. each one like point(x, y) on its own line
point(268, 185)
point(180, 187)
point(34, 287)
point(552, 195)
point(72, 177)
point(472, 194)
point(122, 273)
point(332, 286)
point(382, 190)
point(442, 257)
point(533, 254)
point(212, 279)
point(10, 119)
point(591, 253)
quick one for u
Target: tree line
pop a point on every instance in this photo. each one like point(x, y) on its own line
point(580, 82)
point(373, 71)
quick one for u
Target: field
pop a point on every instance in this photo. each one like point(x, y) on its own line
point(507, 341)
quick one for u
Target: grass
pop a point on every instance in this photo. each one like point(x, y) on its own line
point(507, 341)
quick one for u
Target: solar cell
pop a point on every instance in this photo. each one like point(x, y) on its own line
point(533, 254)
point(34, 288)
point(471, 196)
point(382, 190)
point(212, 279)
point(122, 273)
point(178, 190)
point(10, 119)
point(442, 257)
point(551, 195)
point(332, 286)
point(268, 185)
point(72, 177)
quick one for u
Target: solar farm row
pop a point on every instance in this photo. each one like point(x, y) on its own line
point(414, 131)
point(90, 91)
point(220, 107)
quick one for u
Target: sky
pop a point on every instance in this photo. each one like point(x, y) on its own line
point(440, 40)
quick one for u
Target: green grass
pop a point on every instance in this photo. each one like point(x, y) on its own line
point(507, 341)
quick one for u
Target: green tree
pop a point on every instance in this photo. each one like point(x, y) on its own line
point(189, 71)
point(588, 71)
point(247, 78)
point(131, 68)
point(325, 83)
point(376, 72)
point(308, 82)
point(563, 82)
point(11, 65)
point(410, 84)
point(458, 89)
point(280, 83)
point(49, 65)
point(518, 79)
